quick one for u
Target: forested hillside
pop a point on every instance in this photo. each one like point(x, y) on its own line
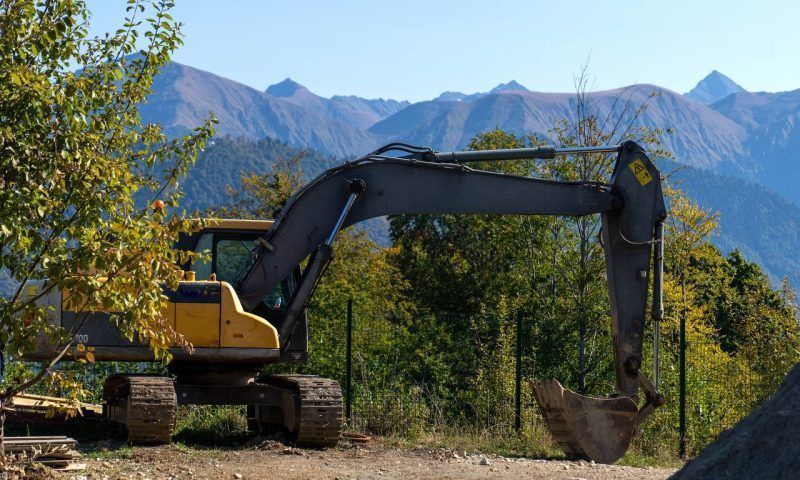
point(763, 225)
point(226, 159)
point(717, 126)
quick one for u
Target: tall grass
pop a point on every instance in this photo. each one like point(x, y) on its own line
point(211, 425)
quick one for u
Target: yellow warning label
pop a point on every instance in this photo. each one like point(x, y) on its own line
point(640, 172)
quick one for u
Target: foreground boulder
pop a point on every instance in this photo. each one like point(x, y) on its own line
point(763, 445)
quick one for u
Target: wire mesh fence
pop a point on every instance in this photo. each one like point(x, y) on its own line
point(399, 382)
point(474, 372)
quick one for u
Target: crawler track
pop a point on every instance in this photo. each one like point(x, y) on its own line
point(144, 405)
point(317, 420)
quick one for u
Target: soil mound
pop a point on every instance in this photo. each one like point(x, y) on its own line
point(763, 445)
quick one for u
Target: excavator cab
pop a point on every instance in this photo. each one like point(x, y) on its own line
point(228, 243)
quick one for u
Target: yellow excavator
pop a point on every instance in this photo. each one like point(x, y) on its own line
point(245, 307)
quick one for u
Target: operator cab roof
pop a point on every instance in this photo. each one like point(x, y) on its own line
point(238, 224)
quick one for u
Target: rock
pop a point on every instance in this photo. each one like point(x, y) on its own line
point(237, 476)
point(485, 461)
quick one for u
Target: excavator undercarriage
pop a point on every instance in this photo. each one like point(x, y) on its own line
point(304, 409)
point(246, 307)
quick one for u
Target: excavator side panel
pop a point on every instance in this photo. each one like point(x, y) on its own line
point(241, 329)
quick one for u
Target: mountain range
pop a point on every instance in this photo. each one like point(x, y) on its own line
point(732, 139)
point(717, 125)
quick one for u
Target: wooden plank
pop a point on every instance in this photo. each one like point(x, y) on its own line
point(40, 440)
point(42, 402)
point(44, 444)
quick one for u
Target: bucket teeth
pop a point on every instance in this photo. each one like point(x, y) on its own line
point(598, 429)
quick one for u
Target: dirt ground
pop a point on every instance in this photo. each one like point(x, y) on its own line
point(369, 461)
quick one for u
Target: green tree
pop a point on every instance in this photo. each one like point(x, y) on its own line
point(580, 261)
point(73, 154)
point(741, 339)
point(263, 195)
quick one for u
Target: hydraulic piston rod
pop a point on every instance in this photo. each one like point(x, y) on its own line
point(657, 310)
point(518, 153)
point(317, 264)
point(357, 187)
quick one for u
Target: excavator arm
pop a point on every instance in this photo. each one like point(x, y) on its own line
point(631, 206)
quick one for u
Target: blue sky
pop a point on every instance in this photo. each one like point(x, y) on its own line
point(414, 49)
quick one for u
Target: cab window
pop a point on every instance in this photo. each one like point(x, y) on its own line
point(228, 256)
point(202, 268)
point(231, 257)
point(279, 297)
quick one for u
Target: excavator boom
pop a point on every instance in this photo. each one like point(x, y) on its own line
point(395, 186)
point(631, 206)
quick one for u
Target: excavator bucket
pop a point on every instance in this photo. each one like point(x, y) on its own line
point(598, 429)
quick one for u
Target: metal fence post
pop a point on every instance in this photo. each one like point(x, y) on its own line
point(348, 399)
point(518, 380)
point(682, 381)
